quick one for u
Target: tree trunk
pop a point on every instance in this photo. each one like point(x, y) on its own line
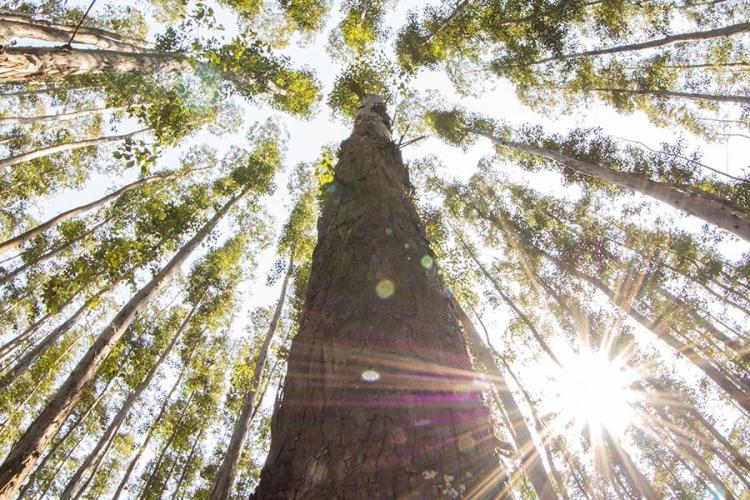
point(82, 418)
point(60, 117)
point(529, 456)
point(26, 451)
point(660, 42)
point(378, 373)
point(96, 454)
point(24, 363)
point(186, 467)
point(739, 459)
point(17, 27)
point(542, 431)
point(22, 238)
point(739, 99)
point(24, 64)
point(661, 330)
point(165, 447)
point(149, 434)
point(66, 146)
point(225, 476)
point(629, 469)
point(708, 209)
point(52, 253)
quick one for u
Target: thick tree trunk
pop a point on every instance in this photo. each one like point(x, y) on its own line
point(66, 146)
point(24, 64)
point(149, 434)
point(378, 399)
point(660, 42)
point(225, 476)
point(14, 25)
point(26, 451)
point(708, 209)
point(60, 117)
point(97, 453)
point(22, 238)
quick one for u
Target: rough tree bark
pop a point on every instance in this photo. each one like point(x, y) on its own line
point(225, 476)
point(25, 453)
point(378, 399)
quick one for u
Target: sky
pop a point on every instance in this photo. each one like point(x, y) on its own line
point(306, 137)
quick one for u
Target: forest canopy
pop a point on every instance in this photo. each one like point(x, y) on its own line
point(375, 249)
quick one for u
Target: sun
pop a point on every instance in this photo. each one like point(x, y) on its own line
point(594, 391)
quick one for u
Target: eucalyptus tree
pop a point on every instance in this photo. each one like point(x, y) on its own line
point(146, 224)
point(370, 209)
point(624, 294)
point(593, 159)
point(254, 176)
point(361, 28)
point(296, 245)
point(210, 297)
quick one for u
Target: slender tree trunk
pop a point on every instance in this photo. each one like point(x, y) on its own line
point(462, 5)
point(527, 451)
point(541, 430)
point(684, 448)
point(26, 451)
point(149, 434)
point(22, 365)
point(375, 370)
point(66, 146)
point(662, 330)
point(165, 448)
point(186, 467)
point(224, 479)
point(96, 454)
point(52, 253)
point(659, 42)
point(22, 238)
point(25, 64)
point(60, 117)
point(521, 315)
point(21, 25)
point(708, 209)
point(739, 459)
point(739, 99)
point(627, 467)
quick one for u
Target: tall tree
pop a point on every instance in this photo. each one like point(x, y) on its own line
point(336, 394)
